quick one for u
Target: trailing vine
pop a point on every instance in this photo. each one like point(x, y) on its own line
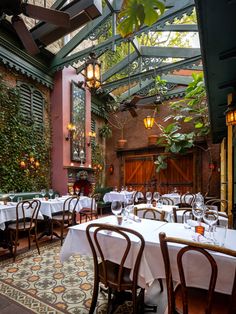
point(24, 152)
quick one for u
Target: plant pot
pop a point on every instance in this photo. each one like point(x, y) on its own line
point(152, 140)
point(121, 143)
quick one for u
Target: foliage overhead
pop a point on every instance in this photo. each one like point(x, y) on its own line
point(20, 142)
point(136, 13)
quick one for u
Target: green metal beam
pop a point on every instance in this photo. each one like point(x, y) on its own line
point(173, 79)
point(120, 66)
point(177, 11)
point(165, 68)
point(169, 52)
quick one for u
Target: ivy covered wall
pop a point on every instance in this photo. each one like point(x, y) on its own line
point(24, 152)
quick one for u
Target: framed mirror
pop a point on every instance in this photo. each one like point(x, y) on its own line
point(78, 115)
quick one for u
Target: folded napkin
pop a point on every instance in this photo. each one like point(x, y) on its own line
point(134, 218)
point(199, 238)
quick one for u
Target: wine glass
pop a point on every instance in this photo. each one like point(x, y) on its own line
point(149, 197)
point(211, 217)
point(43, 192)
point(77, 190)
point(129, 206)
point(198, 210)
point(11, 194)
point(116, 208)
point(50, 192)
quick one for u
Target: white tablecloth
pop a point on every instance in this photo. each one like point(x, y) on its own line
point(120, 196)
point(56, 205)
point(8, 213)
point(168, 209)
point(152, 266)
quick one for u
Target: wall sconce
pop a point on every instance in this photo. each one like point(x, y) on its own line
point(29, 163)
point(92, 136)
point(71, 129)
point(93, 72)
point(212, 166)
point(148, 122)
point(111, 169)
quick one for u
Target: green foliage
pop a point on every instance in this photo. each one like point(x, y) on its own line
point(18, 142)
point(192, 109)
point(136, 13)
point(105, 131)
point(160, 163)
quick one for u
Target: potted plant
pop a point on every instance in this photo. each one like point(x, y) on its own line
point(105, 131)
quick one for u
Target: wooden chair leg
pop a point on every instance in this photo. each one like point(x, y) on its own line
point(94, 297)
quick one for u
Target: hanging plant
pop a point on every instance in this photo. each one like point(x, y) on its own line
point(160, 163)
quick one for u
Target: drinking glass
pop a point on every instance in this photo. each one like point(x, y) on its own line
point(210, 217)
point(43, 192)
point(198, 210)
point(129, 206)
point(77, 190)
point(149, 198)
point(116, 207)
point(50, 192)
point(11, 194)
point(156, 196)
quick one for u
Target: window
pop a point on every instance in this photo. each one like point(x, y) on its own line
point(32, 105)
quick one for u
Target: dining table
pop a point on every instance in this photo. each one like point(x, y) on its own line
point(121, 196)
point(152, 265)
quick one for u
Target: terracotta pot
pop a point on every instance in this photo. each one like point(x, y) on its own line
point(152, 139)
point(121, 143)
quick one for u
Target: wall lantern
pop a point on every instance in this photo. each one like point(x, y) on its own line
point(92, 136)
point(212, 165)
point(71, 129)
point(148, 122)
point(93, 72)
point(231, 115)
point(111, 169)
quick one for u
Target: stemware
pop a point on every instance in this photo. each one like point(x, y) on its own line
point(11, 194)
point(198, 209)
point(156, 196)
point(129, 206)
point(210, 217)
point(116, 208)
point(43, 192)
point(50, 192)
point(149, 198)
point(77, 190)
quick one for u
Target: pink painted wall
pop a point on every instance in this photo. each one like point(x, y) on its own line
point(60, 117)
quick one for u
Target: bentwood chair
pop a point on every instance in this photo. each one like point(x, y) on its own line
point(91, 212)
point(115, 275)
point(182, 212)
point(187, 200)
point(149, 213)
point(221, 204)
point(65, 218)
point(166, 200)
point(26, 221)
point(186, 299)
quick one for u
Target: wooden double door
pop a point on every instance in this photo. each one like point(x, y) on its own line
point(140, 173)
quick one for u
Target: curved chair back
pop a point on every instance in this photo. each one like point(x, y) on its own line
point(220, 203)
point(187, 199)
point(166, 200)
point(27, 214)
point(182, 211)
point(182, 298)
point(149, 213)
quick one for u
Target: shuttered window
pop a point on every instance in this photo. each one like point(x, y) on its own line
point(31, 105)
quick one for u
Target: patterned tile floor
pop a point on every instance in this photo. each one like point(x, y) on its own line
point(8, 306)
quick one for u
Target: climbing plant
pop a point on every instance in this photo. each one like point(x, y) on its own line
point(24, 153)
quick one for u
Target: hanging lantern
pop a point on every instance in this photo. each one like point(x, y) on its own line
point(93, 72)
point(148, 122)
point(231, 115)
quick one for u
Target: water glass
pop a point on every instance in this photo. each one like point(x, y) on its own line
point(220, 235)
point(50, 192)
point(43, 192)
point(19, 199)
point(149, 198)
point(116, 207)
point(11, 194)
